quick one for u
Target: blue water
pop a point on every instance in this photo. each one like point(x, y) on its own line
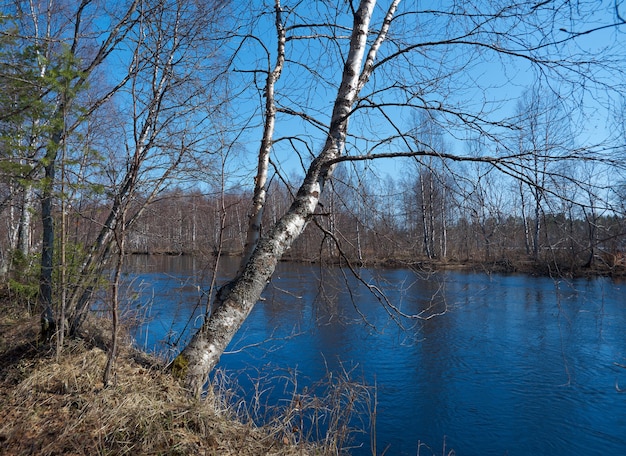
point(506, 365)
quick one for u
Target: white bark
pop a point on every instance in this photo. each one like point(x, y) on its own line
point(24, 239)
point(235, 301)
point(260, 181)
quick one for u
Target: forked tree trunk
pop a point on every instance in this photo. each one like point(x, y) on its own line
point(235, 301)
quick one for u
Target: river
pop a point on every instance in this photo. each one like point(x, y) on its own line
point(507, 365)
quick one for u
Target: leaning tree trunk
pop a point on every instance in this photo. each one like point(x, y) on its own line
point(235, 301)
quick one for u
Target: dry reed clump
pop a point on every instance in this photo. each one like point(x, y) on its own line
point(51, 407)
point(329, 412)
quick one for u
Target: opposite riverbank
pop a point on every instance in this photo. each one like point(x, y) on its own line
point(603, 265)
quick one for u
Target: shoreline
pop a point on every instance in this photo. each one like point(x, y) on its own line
point(59, 405)
point(497, 266)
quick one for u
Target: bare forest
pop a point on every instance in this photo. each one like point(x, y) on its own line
point(419, 221)
point(488, 135)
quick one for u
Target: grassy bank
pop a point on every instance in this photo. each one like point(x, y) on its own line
point(51, 407)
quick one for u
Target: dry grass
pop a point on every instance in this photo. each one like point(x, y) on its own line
point(49, 407)
point(329, 412)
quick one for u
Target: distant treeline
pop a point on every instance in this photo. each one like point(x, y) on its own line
point(404, 227)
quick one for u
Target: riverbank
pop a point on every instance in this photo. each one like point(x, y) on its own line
point(602, 266)
point(507, 266)
point(60, 406)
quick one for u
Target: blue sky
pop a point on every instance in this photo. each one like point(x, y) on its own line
point(486, 81)
point(459, 77)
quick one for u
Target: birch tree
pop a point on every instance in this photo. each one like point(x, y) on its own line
point(149, 63)
point(382, 63)
point(61, 38)
point(167, 105)
point(544, 135)
point(235, 300)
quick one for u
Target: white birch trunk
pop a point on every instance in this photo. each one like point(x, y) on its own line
point(235, 301)
point(425, 224)
point(25, 236)
point(260, 181)
point(444, 223)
